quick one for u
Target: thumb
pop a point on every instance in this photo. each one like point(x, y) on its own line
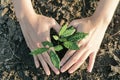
point(75, 23)
point(57, 27)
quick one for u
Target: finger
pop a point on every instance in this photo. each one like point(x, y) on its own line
point(47, 59)
point(32, 47)
point(79, 62)
point(56, 26)
point(74, 23)
point(91, 61)
point(70, 53)
point(44, 64)
point(66, 57)
point(73, 59)
point(37, 64)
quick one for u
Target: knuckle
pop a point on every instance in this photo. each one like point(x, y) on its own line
point(74, 60)
point(88, 46)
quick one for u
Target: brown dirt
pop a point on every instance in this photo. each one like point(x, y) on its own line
point(17, 64)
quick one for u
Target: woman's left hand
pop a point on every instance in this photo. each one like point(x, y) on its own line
point(89, 46)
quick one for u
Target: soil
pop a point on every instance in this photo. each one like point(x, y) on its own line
point(17, 64)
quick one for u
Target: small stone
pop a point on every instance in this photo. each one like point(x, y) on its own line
point(5, 74)
point(64, 2)
point(4, 11)
point(78, 14)
point(63, 11)
point(115, 69)
point(71, 9)
point(26, 73)
point(62, 22)
point(34, 78)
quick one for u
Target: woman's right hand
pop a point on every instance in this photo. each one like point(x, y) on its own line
point(36, 29)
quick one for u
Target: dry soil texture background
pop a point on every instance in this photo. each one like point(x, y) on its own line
point(17, 64)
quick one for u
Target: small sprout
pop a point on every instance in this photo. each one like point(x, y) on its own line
point(70, 31)
point(55, 37)
point(68, 37)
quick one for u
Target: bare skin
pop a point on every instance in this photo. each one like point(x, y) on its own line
point(36, 34)
point(88, 46)
point(95, 26)
point(36, 29)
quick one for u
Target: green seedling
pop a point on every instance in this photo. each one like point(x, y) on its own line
point(68, 38)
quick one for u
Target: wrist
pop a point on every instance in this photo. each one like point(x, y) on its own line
point(100, 20)
point(23, 8)
point(103, 14)
point(99, 24)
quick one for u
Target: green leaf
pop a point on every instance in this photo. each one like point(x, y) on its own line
point(63, 39)
point(68, 32)
point(55, 37)
point(55, 59)
point(58, 48)
point(47, 43)
point(39, 51)
point(63, 29)
point(77, 36)
point(71, 45)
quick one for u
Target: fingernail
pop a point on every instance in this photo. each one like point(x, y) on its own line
point(57, 72)
point(37, 66)
point(70, 71)
point(48, 73)
point(89, 71)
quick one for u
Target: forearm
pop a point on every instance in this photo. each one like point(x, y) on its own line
point(23, 8)
point(104, 12)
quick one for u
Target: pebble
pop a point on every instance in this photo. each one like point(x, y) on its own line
point(62, 22)
point(4, 11)
point(11, 74)
point(4, 2)
point(63, 11)
point(64, 2)
point(78, 14)
point(71, 9)
point(26, 73)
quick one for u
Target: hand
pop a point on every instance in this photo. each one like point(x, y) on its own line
point(89, 46)
point(36, 29)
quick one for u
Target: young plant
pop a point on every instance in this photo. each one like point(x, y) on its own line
point(68, 37)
